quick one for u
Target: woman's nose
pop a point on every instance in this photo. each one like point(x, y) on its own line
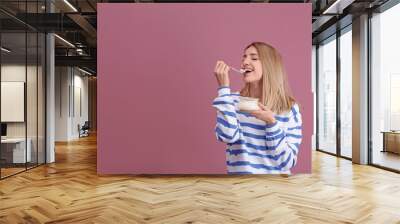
point(245, 62)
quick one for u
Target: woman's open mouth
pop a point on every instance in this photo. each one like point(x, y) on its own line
point(247, 71)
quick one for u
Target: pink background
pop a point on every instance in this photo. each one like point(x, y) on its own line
point(156, 82)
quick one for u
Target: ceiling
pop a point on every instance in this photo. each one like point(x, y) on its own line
point(76, 22)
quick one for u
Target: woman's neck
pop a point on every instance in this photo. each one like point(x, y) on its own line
point(255, 90)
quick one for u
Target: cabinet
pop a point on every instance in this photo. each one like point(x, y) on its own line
point(391, 141)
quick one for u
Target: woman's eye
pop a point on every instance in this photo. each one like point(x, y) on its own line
point(254, 59)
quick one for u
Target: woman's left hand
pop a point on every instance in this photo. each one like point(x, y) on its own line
point(264, 114)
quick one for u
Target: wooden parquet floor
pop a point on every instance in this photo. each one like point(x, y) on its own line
point(70, 191)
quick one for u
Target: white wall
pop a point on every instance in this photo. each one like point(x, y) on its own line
point(81, 84)
point(61, 103)
point(70, 84)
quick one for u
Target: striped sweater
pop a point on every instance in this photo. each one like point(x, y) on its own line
point(255, 147)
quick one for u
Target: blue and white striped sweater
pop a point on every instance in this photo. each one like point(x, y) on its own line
point(254, 146)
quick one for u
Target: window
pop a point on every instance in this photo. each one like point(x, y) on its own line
point(327, 96)
point(385, 89)
point(346, 75)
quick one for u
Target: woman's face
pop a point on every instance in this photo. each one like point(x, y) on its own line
point(252, 64)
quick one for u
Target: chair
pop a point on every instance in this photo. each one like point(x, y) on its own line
point(84, 130)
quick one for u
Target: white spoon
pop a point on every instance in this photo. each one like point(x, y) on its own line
point(241, 71)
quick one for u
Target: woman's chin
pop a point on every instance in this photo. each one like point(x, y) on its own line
point(248, 80)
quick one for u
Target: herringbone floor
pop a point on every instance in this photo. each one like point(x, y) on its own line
point(70, 191)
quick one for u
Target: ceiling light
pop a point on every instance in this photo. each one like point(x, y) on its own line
point(70, 5)
point(64, 40)
point(331, 7)
point(338, 6)
point(86, 72)
point(5, 49)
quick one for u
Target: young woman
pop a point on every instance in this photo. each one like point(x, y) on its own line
point(264, 141)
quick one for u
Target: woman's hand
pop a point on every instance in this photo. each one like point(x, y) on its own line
point(221, 73)
point(264, 114)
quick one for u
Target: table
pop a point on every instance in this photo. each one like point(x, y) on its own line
point(13, 150)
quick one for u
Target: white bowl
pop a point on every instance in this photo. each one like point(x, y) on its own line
point(248, 103)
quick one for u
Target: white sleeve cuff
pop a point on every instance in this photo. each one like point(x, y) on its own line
point(223, 90)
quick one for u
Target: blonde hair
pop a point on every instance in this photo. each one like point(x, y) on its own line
point(276, 93)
